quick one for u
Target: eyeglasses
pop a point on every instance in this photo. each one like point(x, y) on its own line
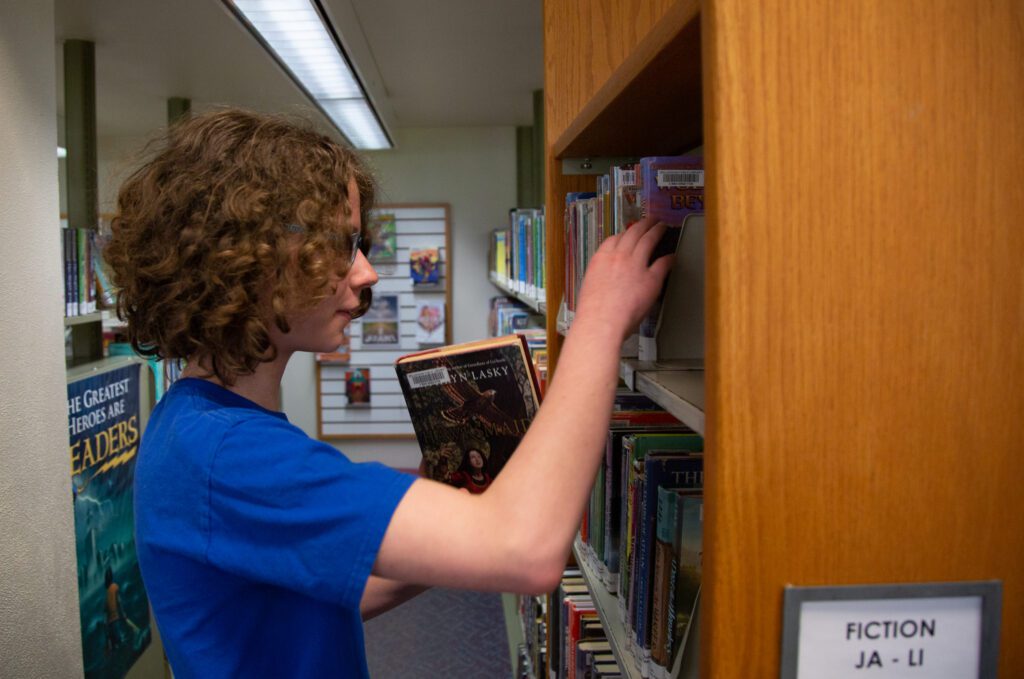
point(355, 238)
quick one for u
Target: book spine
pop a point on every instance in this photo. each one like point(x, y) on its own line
point(539, 238)
point(67, 271)
point(626, 527)
point(662, 568)
point(73, 278)
point(640, 578)
point(581, 245)
point(90, 261)
point(672, 612)
point(523, 260)
point(527, 251)
point(611, 512)
point(80, 270)
point(567, 273)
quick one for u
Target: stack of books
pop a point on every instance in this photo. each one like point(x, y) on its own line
point(579, 641)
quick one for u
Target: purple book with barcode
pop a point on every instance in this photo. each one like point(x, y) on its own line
point(470, 405)
point(671, 187)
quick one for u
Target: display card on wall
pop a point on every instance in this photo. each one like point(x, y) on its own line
point(380, 324)
point(430, 322)
point(424, 267)
point(357, 389)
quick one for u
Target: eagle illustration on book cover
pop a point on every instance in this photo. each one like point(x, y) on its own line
point(469, 411)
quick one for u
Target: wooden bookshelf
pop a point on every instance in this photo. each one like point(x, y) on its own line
point(666, 60)
point(864, 316)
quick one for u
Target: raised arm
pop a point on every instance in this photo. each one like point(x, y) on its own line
point(517, 535)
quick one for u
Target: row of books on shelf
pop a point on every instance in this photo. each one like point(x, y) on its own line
point(580, 646)
point(641, 533)
point(517, 253)
point(508, 316)
point(85, 287)
point(670, 189)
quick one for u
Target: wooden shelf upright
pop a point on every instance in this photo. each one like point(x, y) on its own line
point(863, 400)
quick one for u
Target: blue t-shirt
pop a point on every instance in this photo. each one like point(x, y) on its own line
point(255, 541)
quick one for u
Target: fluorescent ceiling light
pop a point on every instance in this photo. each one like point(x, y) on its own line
point(357, 122)
point(295, 32)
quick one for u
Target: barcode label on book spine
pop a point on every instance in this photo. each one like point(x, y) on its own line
point(428, 378)
point(686, 179)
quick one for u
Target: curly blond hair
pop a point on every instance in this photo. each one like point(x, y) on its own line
point(204, 250)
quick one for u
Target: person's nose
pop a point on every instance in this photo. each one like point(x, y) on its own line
point(362, 275)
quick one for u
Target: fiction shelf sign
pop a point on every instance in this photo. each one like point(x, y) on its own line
point(908, 631)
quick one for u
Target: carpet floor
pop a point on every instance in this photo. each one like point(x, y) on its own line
point(441, 634)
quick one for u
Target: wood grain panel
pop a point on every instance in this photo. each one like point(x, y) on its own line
point(865, 415)
point(584, 42)
point(650, 104)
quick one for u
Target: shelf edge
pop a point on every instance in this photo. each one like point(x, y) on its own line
point(604, 602)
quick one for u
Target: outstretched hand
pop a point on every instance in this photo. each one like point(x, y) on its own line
point(620, 286)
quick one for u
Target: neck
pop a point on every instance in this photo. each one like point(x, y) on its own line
point(263, 387)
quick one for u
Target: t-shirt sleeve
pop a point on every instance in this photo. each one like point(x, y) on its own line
point(293, 512)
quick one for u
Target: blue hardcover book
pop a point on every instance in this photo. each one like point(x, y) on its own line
point(524, 262)
point(671, 470)
point(635, 448)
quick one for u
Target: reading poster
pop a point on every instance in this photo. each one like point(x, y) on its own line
point(103, 415)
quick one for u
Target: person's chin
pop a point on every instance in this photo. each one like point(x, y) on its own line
point(326, 347)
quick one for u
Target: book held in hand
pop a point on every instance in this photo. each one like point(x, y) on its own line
point(470, 406)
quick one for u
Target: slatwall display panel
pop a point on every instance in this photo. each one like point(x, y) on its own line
point(417, 227)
